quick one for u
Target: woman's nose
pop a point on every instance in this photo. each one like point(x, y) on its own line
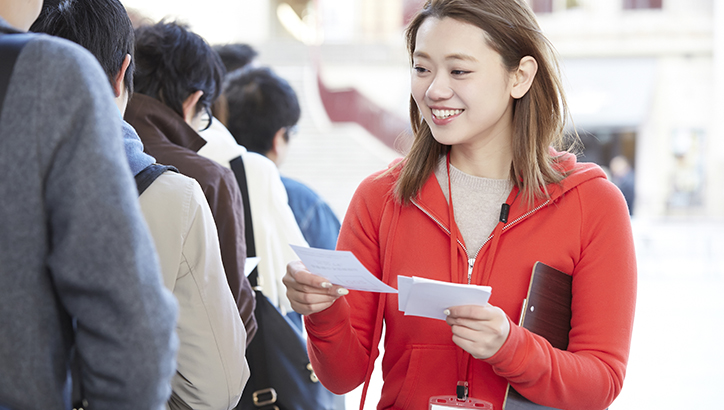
point(439, 88)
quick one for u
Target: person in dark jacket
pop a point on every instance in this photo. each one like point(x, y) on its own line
point(178, 76)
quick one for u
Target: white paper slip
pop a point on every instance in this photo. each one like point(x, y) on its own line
point(429, 298)
point(404, 283)
point(250, 264)
point(341, 268)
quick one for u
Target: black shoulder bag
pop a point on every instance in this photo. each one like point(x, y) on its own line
point(281, 375)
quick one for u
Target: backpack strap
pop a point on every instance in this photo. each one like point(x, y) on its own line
point(237, 165)
point(10, 47)
point(257, 360)
point(145, 178)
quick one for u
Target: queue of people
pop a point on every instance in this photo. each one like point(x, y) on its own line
point(123, 242)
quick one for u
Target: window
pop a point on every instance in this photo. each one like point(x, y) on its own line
point(550, 6)
point(641, 4)
point(572, 4)
point(542, 6)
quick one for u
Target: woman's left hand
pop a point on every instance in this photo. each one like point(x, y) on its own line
point(479, 330)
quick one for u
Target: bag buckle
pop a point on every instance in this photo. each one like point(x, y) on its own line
point(261, 399)
point(312, 375)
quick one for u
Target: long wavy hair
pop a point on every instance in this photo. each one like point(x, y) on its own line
point(539, 117)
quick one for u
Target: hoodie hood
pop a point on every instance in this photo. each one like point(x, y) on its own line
point(432, 201)
point(137, 159)
point(578, 173)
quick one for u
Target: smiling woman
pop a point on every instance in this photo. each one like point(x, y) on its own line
point(482, 196)
point(465, 95)
point(504, 62)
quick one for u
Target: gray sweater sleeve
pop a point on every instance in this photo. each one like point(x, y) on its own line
point(102, 259)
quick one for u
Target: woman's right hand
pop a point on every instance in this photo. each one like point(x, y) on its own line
point(307, 292)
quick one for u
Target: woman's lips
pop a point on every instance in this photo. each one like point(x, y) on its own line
point(444, 116)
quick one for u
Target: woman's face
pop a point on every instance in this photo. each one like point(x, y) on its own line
point(460, 85)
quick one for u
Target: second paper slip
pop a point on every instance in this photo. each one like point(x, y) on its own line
point(429, 298)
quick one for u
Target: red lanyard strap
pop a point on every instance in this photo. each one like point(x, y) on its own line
point(461, 389)
point(464, 358)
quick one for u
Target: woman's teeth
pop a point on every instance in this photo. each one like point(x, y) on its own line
point(442, 114)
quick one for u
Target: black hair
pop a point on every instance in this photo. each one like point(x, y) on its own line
point(101, 26)
point(173, 63)
point(260, 104)
point(236, 55)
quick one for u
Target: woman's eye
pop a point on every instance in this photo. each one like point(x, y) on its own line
point(420, 70)
point(459, 72)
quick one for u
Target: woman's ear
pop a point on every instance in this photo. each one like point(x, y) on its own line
point(118, 85)
point(523, 76)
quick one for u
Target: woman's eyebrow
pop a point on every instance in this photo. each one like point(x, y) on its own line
point(454, 56)
point(461, 56)
point(420, 54)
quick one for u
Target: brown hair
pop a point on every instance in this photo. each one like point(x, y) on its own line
point(538, 117)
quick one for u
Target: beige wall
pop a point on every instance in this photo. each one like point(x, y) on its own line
point(686, 98)
point(218, 21)
point(715, 150)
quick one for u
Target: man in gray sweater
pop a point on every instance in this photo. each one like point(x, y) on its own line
point(77, 265)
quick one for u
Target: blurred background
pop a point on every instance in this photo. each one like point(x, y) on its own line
point(645, 85)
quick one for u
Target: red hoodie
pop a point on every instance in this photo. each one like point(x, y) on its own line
point(583, 229)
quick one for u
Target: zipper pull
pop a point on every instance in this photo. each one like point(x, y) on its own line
point(471, 262)
point(504, 210)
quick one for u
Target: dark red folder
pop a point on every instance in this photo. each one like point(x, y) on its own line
point(546, 312)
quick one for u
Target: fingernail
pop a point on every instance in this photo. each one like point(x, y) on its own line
point(342, 291)
point(446, 312)
point(326, 285)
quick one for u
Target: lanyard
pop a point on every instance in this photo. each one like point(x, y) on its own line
point(463, 356)
point(453, 229)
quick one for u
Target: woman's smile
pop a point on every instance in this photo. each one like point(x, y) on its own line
point(442, 116)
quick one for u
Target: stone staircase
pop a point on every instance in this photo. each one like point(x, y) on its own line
point(332, 158)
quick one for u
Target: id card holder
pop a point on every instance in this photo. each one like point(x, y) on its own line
point(452, 402)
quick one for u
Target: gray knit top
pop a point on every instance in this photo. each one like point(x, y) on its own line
point(476, 202)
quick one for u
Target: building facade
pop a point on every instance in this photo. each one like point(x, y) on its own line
point(644, 78)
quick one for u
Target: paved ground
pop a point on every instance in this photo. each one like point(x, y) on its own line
point(677, 361)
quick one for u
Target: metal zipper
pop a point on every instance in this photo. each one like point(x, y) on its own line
point(444, 228)
point(471, 261)
point(525, 215)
